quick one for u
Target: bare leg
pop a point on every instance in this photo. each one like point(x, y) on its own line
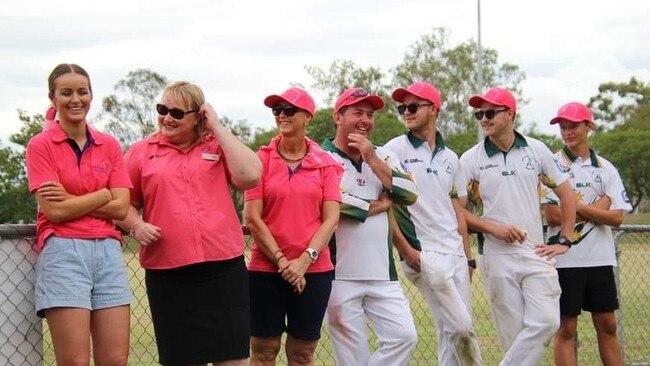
point(300, 352)
point(608, 345)
point(564, 346)
point(264, 351)
point(70, 330)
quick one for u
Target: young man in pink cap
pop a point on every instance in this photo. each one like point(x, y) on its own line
point(365, 283)
point(504, 172)
point(434, 250)
point(586, 271)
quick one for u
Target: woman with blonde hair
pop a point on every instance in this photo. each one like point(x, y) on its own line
point(192, 244)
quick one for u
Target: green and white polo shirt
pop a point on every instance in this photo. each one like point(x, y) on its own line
point(363, 246)
point(590, 179)
point(506, 185)
point(430, 223)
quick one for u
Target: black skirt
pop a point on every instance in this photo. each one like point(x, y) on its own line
point(200, 312)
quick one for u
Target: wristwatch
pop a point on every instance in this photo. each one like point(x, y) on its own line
point(472, 263)
point(563, 240)
point(313, 254)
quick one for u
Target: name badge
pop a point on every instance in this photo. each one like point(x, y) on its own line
point(213, 157)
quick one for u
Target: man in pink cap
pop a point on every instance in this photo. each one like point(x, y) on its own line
point(365, 284)
point(432, 233)
point(503, 173)
point(586, 272)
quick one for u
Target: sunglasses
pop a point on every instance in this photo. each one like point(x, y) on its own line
point(174, 112)
point(489, 114)
point(288, 110)
point(412, 108)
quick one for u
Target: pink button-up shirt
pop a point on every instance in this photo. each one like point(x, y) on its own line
point(186, 194)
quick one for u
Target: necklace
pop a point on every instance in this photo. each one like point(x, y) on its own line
point(288, 159)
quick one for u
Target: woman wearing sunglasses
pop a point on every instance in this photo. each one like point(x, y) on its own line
point(292, 214)
point(78, 179)
point(192, 243)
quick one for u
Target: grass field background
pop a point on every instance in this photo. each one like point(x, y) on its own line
point(634, 316)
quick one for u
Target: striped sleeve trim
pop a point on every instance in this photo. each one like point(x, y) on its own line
point(354, 207)
point(404, 190)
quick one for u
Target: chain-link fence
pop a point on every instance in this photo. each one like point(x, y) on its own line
point(20, 330)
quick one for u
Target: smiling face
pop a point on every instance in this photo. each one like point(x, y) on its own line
point(294, 125)
point(71, 96)
point(419, 120)
point(357, 118)
point(181, 132)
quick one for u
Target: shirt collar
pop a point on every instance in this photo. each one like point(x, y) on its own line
point(491, 148)
point(328, 145)
point(416, 142)
point(592, 156)
point(58, 135)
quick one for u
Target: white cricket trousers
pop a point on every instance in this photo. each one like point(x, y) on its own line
point(385, 305)
point(525, 296)
point(443, 281)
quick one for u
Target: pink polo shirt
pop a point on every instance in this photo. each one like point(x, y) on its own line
point(49, 157)
point(293, 201)
point(186, 194)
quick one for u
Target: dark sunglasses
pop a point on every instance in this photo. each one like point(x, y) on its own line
point(412, 108)
point(174, 112)
point(288, 110)
point(489, 114)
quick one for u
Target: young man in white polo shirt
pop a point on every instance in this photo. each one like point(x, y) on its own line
point(366, 284)
point(504, 171)
point(435, 254)
point(586, 271)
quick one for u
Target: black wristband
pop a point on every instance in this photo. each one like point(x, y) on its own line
point(471, 263)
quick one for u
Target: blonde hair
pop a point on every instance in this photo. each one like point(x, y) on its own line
point(193, 98)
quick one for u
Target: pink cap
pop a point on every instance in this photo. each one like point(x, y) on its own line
point(420, 89)
point(574, 112)
point(295, 96)
point(496, 96)
point(356, 95)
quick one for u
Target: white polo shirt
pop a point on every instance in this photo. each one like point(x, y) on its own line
point(363, 245)
point(506, 185)
point(430, 223)
point(591, 179)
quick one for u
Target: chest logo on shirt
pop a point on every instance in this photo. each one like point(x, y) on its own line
point(361, 182)
point(104, 167)
point(562, 167)
point(488, 166)
point(507, 173)
point(583, 184)
point(529, 162)
point(411, 161)
point(597, 176)
point(448, 169)
point(432, 171)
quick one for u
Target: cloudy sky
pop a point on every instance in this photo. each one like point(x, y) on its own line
point(239, 51)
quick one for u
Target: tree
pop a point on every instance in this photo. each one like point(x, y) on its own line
point(452, 70)
point(618, 102)
point(18, 205)
point(343, 74)
point(130, 110)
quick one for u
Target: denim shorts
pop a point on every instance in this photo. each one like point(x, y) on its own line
point(81, 273)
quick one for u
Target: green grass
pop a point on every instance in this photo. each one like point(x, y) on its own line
point(637, 219)
point(634, 316)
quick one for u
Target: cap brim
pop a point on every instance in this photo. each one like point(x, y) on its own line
point(273, 100)
point(559, 119)
point(476, 101)
point(399, 94)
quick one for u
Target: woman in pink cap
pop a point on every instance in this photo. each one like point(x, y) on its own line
point(292, 214)
point(192, 243)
